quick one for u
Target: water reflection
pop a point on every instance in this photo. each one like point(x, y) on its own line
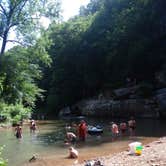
point(49, 139)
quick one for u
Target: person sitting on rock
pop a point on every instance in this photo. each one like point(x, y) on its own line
point(73, 153)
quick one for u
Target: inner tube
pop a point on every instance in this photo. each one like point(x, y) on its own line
point(95, 130)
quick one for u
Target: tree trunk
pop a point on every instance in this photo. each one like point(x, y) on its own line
point(4, 43)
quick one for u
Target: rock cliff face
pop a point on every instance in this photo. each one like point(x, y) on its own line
point(119, 108)
point(125, 104)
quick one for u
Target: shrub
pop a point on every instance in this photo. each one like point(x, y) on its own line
point(14, 113)
point(2, 161)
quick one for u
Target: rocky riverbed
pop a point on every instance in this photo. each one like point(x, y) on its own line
point(153, 154)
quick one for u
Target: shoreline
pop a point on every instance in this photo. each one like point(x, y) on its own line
point(116, 157)
point(153, 154)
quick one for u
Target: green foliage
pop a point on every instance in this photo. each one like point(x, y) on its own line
point(14, 113)
point(2, 161)
point(109, 41)
point(20, 68)
point(24, 18)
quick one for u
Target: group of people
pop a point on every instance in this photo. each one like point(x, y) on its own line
point(81, 132)
point(18, 129)
point(123, 127)
point(74, 131)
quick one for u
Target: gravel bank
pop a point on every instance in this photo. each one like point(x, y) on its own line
point(153, 154)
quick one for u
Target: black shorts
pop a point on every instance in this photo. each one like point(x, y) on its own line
point(73, 140)
point(123, 130)
point(132, 127)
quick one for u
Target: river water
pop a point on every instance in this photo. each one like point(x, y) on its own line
point(48, 140)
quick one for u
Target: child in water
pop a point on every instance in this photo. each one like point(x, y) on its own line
point(73, 153)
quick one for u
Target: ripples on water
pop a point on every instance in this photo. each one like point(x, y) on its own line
point(49, 139)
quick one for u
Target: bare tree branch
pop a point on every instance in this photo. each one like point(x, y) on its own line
point(20, 10)
point(15, 41)
point(3, 10)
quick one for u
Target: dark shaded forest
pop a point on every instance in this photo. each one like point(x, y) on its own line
point(97, 50)
point(108, 42)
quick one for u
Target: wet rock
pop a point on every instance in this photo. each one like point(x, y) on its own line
point(33, 158)
point(161, 98)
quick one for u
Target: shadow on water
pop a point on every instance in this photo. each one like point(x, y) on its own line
point(145, 128)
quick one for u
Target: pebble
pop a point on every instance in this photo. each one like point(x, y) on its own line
point(153, 154)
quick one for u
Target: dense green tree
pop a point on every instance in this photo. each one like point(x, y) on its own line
point(21, 68)
point(115, 39)
point(22, 17)
point(65, 69)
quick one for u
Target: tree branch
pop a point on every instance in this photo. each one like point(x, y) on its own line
point(15, 41)
point(3, 10)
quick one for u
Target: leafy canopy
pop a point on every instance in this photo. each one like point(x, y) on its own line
point(23, 17)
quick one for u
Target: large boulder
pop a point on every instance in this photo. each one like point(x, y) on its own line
point(161, 99)
point(125, 92)
point(65, 111)
point(118, 108)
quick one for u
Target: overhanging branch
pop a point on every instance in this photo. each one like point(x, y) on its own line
point(15, 41)
point(3, 9)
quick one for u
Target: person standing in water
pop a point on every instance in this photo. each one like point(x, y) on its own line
point(32, 126)
point(114, 130)
point(18, 132)
point(132, 126)
point(82, 130)
point(71, 138)
point(123, 128)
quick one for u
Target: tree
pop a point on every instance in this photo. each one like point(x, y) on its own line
point(93, 7)
point(118, 40)
point(20, 69)
point(23, 18)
